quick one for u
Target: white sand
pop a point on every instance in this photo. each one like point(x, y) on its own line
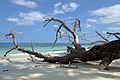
point(22, 69)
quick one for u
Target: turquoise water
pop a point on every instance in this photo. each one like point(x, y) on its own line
point(38, 47)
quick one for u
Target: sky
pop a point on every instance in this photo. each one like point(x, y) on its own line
point(26, 18)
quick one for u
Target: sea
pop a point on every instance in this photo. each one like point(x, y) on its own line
point(45, 48)
point(38, 47)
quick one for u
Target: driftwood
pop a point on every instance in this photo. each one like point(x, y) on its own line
point(106, 52)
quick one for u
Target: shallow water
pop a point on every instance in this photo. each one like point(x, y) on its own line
point(38, 47)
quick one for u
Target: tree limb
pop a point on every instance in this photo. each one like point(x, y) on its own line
point(76, 39)
point(32, 58)
point(93, 43)
point(77, 23)
point(14, 41)
point(114, 34)
point(58, 30)
point(9, 51)
point(102, 37)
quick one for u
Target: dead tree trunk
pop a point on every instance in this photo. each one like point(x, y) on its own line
point(106, 52)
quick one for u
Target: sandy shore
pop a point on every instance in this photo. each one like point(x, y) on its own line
point(22, 69)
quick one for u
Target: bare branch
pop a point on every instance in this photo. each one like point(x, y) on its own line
point(60, 33)
point(93, 43)
point(77, 24)
point(32, 58)
point(68, 37)
point(9, 51)
point(32, 46)
point(102, 37)
point(47, 21)
point(59, 21)
point(58, 30)
point(76, 39)
point(84, 38)
point(13, 37)
point(14, 41)
point(115, 34)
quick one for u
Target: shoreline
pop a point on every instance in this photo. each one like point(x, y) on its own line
point(20, 68)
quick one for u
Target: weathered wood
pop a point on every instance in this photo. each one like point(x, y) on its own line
point(102, 37)
point(14, 41)
point(36, 54)
point(75, 41)
point(106, 52)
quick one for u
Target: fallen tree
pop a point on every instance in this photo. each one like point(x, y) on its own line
point(106, 52)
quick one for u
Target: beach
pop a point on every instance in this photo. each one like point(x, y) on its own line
point(19, 67)
point(78, 39)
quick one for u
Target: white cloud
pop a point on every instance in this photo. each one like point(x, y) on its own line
point(27, 18)
point(29, 4)
point(20, 32)
point(58, 11)
point(62, 8)
point(55, 26)
point(108, 15)
point(91, 20)
point(13, 19)
point(57, 4)
point(70, 7)
point(87, 25)
point(104, 32)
